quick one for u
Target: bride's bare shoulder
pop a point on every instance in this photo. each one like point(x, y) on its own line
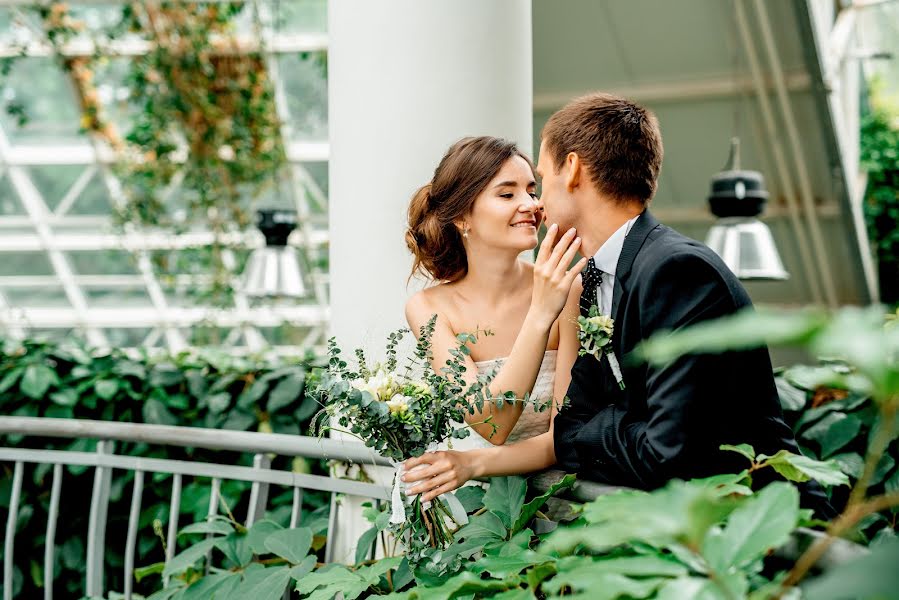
point(424, 304)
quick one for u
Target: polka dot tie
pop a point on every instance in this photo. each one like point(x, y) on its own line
point(592, 278)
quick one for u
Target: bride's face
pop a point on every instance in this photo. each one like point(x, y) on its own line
point(506, 213)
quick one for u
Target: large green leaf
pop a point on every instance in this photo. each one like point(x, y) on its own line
point(471, 497)
point(36, 379)
point(502, 566)
point(602, 585)
point(799, 468)
point(530, 509)
point(272, 586)
point(286, 392)
point(679, 511)
point(290, 544)
point(505, 497)
point(870, 577)
point(190, 555)
point(106, 388)
point(834, 431)
point(156, 413)
point(463, 585)
point(325, 583)
point(744, 449)
point(211, 586)
point(259, 533)
point(746, 329)
point(762, 522)
point(850, 463)
point(10, 378)
point(364, 545)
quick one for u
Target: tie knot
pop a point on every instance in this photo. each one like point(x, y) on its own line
point(591, 276)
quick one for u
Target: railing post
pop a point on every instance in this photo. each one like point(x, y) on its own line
point(259, 492)
point(9, 541)
point(131, 539)
point(96, 529)
point(50, 539)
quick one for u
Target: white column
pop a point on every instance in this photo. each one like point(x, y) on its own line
point(406, 79)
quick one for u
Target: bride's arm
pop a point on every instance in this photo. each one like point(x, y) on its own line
point(552, 284)
point(448, 470)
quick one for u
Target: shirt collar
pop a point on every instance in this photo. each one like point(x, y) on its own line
point(607, 256)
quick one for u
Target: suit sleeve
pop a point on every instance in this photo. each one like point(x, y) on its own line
point(683, 290)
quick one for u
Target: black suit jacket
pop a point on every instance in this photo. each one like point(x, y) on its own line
point(670, 420)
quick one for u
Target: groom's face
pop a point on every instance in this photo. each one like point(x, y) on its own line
point(558, 205)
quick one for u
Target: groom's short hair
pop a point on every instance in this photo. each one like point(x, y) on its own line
point(617, 140)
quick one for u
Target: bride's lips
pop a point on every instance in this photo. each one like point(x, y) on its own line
point(525, 224)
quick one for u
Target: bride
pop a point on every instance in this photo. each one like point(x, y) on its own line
point(467, 228)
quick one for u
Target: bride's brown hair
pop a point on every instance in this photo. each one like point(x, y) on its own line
point(463, 173)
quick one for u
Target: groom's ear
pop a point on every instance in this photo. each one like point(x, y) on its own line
point(573, 171)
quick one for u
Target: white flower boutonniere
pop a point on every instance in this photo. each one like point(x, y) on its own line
point(595, 335)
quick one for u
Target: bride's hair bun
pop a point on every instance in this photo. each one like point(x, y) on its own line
point(433, 235)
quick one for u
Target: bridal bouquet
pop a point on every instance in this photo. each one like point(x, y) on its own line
point(403, 412)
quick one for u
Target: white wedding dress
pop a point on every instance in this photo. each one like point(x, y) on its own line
point(531, 422)
point(351, 524)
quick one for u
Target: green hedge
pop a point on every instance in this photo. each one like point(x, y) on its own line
point(838, 424)
point(204, 389)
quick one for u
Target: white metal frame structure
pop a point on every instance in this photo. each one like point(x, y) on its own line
point(108, 465)
point(56, 232)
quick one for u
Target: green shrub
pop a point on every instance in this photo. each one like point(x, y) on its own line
point(201, 389)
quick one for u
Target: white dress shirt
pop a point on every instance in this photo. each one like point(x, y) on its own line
point(607, 261)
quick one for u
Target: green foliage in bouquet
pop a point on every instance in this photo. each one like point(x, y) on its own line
point(402, 412)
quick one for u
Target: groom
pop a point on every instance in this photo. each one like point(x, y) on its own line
point(599, 161)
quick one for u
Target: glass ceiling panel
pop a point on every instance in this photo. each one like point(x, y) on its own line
point(9, 200)
point(102, 262)
point(53, 181)
point(302, 16)
point(60, 179)
point(306, 88)
point(45, 296)
point(25, 263)
point(40, 88)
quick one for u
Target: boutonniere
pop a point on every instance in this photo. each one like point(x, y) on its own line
point(595, 335)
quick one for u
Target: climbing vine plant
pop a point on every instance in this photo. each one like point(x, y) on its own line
point(203, 140)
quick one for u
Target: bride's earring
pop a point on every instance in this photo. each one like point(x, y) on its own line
point(465, 231)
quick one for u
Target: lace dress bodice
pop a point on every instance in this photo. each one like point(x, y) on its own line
point(531, 422)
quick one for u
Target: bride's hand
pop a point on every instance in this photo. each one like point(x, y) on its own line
point(552, 278)
point(444, 471)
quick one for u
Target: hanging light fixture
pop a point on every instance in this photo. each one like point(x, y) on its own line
point(273, 271)
point(743, 242)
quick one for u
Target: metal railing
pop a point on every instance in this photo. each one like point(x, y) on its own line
point(104, 461)
point(261, 445)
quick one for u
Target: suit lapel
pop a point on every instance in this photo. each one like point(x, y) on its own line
point(643, 226)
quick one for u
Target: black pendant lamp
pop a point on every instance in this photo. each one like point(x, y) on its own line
point(742, 241)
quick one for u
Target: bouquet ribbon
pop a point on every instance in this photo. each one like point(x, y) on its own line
point(398, 508)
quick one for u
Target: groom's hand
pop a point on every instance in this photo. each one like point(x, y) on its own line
point(552, 277)
point(438, 473)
